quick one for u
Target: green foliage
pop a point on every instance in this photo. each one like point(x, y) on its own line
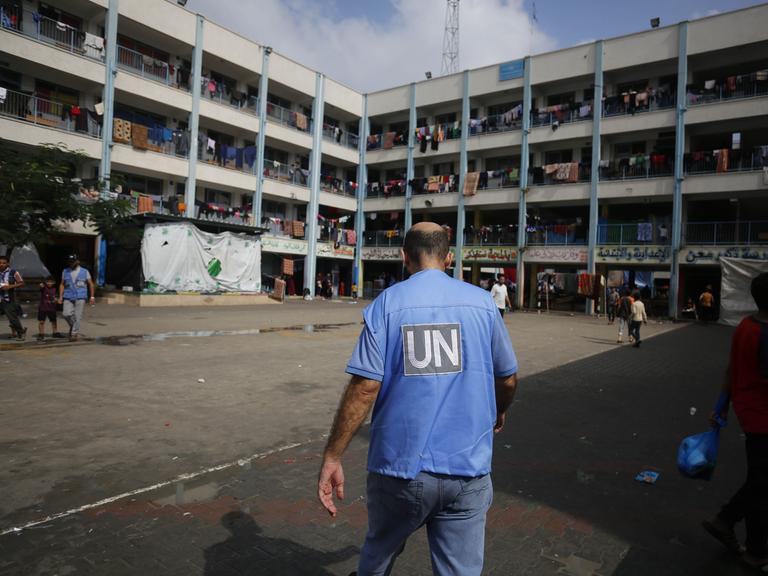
point(39, 189)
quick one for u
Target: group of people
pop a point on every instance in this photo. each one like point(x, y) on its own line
point(629, 308)
point(75, 288)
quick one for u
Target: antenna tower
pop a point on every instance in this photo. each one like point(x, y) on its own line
point(451, 38)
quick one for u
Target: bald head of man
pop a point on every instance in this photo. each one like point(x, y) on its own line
point(426, 246)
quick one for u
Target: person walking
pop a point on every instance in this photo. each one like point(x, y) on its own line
point(638, 319)
point(10, 281)
point(76, 285)
point(433, 353)
point(46, 309)
point(707, 305)
point(624, 313)
point(747, 386)
point(500, 294)
point(612, 305)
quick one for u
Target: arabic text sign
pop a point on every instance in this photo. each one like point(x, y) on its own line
point(505, 254)
point(712, 254)
point(328, 250)
point(283, 245)
point(574, 254)
point(381, 253)
point(634, 254)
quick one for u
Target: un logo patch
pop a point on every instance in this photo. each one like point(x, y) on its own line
point(431, 349)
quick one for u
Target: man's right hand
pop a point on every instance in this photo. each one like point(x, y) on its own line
point(331, 479)
point(60, 301)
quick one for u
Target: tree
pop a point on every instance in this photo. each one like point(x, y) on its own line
point(39, 189)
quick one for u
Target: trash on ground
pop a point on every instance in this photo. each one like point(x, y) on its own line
point(647, 477)
point(693, 410)
point(201, 380)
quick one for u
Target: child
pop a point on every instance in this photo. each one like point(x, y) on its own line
point(47, 307)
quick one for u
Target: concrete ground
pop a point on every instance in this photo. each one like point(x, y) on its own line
point(154, 394)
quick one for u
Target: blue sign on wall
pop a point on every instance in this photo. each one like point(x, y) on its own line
point(511, 70)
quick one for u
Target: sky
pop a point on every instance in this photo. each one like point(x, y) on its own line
point(374, 44)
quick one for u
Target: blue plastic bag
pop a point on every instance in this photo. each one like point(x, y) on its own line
point(697, 455)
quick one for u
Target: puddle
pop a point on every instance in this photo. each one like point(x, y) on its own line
point(129, 339)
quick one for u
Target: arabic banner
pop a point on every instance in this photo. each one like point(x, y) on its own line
point(634, 254)
point(327, 250)
point(711, 255)
point(506, 254)
point(386, 253)
point(283, 245)
point(570, 254)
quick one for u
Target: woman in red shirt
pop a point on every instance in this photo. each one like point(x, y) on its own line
point(747, 384)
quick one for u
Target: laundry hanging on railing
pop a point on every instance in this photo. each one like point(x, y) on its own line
point(471, 180)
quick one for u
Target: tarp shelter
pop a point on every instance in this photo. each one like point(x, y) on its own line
point(26, 260)
point(735, 297)
point(180, 257)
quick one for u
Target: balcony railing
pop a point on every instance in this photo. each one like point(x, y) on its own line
point(289, 118)
point(34, 25)
point(383, 238)
point(630, 104)
point(731, 88)
point(633, 234)
point(545, 117)
point(338, 186)
point(49, 113)
point(726, 161)
point(723, 233)
point(385, 189)
point(557, 235)
point(637, 167)
point(249, 105)
point(284, 173)
point(144, 66)
point(494, 124)
point(241, 159)
point(341, 137)
point(377, 141)
point(560, 173)
point(331, 235)
point(491, 236)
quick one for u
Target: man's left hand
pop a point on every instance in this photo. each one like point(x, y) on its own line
point(501, 418)
point(331, 479)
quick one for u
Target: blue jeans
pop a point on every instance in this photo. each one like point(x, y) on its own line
point(453, 509)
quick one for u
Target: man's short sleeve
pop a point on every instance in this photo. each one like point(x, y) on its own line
point(87, 274)
point(368, 358)
point(504, 359)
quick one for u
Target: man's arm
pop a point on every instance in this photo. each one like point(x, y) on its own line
point(505, 394)
point(91, 288)
point(358, 398)
point(18, 281)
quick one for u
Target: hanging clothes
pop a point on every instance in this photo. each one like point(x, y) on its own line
point(722, 160)
point(389, 140)
point(471, 180)
point(645, 232)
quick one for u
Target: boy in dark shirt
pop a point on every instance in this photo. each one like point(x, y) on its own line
point(747, 384)
point(47, 308)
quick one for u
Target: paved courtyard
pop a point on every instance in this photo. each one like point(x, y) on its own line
point(187, 441)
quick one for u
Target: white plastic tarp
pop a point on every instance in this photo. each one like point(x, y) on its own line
point(26, 260)
point(735, 297)
point(182, 258)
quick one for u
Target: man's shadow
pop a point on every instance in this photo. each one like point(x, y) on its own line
point(248, 552)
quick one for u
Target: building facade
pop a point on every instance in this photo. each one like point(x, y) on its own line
point(641, 157)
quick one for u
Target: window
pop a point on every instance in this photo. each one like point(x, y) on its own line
point(556, 99)
point(628, 149)
point(498, 109)
point(446, 118)
point(278, 101)
point(218, 197)
point(558, 156)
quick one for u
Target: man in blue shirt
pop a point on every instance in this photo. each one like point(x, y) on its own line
point(436, 363)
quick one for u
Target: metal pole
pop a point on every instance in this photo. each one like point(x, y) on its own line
point(461, 216)
point(108, 97)
point(362, 185)
point(261, 136)
point(597, 114)
point(190, 191)
point(409, 165)
point(318, 109)
point(677, 199)
point(522, 221)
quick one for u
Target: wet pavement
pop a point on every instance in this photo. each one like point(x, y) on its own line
point(219, 477)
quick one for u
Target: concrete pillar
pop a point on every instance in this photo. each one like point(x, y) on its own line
point(261, 136)
point(409, 161)
point(461, 215)
point(597, 113)
point(362, 185)
point(190, 190)
point(522, 221)
point(318, 109)
point(108, 96)
point(677, 198)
